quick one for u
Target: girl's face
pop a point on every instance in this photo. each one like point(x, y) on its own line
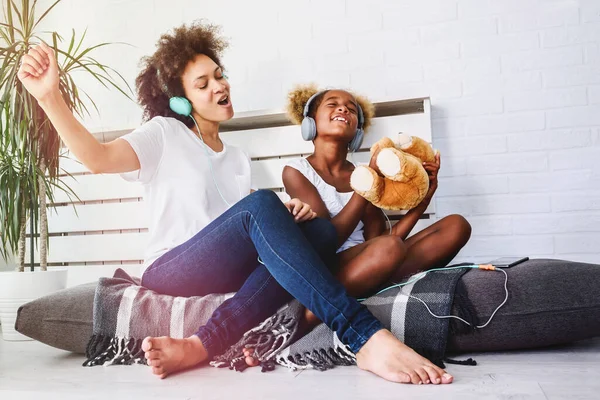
point(337, 115)
point(207, 89)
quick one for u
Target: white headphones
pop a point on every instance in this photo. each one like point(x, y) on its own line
point(309, 126)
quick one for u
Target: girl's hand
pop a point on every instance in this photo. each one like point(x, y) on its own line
point(301, 211)
point(39, 71)
point(373, 161)
point(432, 170)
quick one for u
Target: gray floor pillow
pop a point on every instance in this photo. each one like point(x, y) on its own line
point(550, 302)
point(62, 319)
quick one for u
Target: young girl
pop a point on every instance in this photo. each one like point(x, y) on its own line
point(196, 190)
point(369, 255)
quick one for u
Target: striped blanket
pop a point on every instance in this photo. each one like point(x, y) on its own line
point(125, 313)
point(276, 341)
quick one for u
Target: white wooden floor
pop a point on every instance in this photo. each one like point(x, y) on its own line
point(30, 370)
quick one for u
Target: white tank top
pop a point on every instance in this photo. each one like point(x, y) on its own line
point(334, 201)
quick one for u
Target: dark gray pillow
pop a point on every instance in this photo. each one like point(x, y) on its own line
point(62, 319)
point(550, 302)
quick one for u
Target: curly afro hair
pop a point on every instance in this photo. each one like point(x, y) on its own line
point(298, 97)
point(174, 51)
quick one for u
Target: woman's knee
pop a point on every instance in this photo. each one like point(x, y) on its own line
point(265, 196)
point(264, 200)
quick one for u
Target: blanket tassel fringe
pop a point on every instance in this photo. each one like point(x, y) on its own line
point(107, 350)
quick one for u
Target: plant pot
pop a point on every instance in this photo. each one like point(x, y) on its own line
point(18, 288)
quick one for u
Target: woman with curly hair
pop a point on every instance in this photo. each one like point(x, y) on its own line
point(369, 254)
point(208, 234)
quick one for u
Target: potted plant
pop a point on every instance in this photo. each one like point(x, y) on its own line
point(30, 151)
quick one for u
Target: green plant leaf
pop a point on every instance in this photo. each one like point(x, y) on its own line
point(12, 30)
point(45, 13)
point(26, 137)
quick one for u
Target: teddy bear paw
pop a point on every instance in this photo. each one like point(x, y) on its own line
point(389, 162)
point(362, 179)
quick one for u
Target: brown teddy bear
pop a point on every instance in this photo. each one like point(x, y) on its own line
point(397, 180)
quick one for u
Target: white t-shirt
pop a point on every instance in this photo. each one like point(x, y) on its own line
point(179, 191)
point(334, 201)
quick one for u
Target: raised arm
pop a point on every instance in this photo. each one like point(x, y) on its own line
point(39, 75)
point(296, 185)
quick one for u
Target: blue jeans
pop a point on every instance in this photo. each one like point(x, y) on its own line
point(223, 258)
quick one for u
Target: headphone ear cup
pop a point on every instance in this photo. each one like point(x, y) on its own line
point(356, 142)
point(181, 106)
point(308, 129)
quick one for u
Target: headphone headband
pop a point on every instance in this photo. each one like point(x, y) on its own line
point(309, 126)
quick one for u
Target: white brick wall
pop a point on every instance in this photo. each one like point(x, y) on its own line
point(515, 87)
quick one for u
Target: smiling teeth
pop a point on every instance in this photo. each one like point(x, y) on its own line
point(340, 119)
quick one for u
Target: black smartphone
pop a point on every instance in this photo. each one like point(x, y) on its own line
point(507, 262)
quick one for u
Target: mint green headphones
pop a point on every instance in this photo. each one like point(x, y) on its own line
point(180, 105)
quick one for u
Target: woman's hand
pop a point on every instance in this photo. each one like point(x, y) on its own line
point(301, 211)
point(432, 170)
point(39, 71)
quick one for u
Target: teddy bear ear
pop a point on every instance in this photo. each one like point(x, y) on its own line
point(403, 140)
point(297, 99)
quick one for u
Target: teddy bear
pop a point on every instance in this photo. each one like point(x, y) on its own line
point(397, 180)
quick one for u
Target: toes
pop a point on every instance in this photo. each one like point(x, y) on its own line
point(152, 355)
point(434, 375)
point(147, 344)
point(158, 371)
point(423, 376)
point(439, 370)
point(447, 378)
point(401, 377)
point(155, 363)
point(415, 379)
point(251, 361)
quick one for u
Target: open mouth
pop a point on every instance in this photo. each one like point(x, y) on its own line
point(341, 119)
point(224, 101)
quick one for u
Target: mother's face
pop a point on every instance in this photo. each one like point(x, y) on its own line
point(207, 89)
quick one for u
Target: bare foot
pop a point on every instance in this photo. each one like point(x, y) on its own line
point(250, 360)
point(389, 358)
point(166, 355)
